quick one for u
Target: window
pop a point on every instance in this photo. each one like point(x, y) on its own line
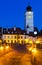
point(15, 36)
point(21, 37)
point(15, 41)
point(11, 36)
point(29, 12)
point(27, 26)
point(12, 32)
point(22, 41)
point(4, 41)
point(4, 36)
point(35, 32)
point(8, 40)
point(8, 36)
point(11, 41)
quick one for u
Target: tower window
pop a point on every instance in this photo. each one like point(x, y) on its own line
point(29, 12)
point(4, 41)
point(27, 26)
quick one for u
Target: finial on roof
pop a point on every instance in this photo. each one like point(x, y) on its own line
point(29, 8)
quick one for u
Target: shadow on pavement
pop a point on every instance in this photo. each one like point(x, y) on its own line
point(20, 48)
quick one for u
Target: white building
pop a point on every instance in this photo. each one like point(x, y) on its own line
point(29, 20)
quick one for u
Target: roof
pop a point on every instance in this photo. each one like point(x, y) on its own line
point(12, 31)
point(29, 8)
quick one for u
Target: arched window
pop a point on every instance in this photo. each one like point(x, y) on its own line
point(22, 41)
point(15, 41)
point(11, 41)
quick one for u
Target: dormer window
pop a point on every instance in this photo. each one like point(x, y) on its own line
point(12, 32)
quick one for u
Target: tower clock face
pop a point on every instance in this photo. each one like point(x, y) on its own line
point(30, 12)
point(29, 16)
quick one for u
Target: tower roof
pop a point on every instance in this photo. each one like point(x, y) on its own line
point(29, 8)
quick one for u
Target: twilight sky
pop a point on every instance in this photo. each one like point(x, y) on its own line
point(12, 13)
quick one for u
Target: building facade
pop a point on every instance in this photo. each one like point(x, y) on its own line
point(14, 36)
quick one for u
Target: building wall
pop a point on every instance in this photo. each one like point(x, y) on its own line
point(29, 22)
point(8, 38)
point(14, 38)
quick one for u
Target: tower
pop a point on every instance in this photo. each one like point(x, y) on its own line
point(29, 19)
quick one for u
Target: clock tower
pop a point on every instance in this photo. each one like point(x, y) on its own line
point(29, 20)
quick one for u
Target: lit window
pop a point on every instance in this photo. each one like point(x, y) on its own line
point(22, 41)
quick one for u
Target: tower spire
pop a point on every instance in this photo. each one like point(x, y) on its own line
point(29, 8)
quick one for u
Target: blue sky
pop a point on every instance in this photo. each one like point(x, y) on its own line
point(12, 13)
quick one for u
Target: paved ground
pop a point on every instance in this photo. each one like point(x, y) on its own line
point(15, 58)
point(39, 57)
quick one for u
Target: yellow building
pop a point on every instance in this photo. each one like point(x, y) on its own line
point(15, 38)
point(21, 39)
point(16, 35)
point(10, 38)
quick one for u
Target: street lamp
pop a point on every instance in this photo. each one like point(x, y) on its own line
point(1, 48)
point(34, 50)
point(7, 47)
point(30, 48)
point(37, 41)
